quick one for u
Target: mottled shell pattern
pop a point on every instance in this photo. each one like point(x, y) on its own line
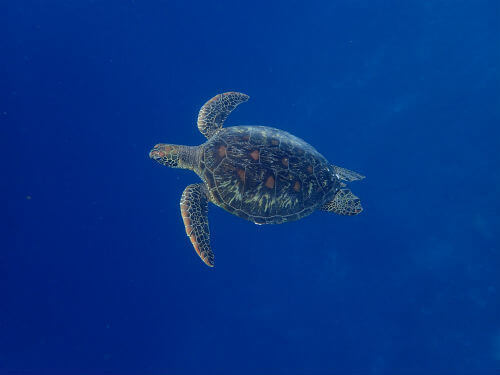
point(265, 175)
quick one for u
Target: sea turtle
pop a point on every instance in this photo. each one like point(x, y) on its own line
point(258, 173)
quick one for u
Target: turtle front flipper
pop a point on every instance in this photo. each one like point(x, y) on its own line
point(344, 203)
point(214, 112)
point(194, 211)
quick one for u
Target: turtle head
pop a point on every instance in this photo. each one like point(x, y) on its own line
point(167, 155)
point(175, 156)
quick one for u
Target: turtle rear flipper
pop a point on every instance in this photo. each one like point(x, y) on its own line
point(214, 112)
point(347, 175)
point(194, 211)
point(343, 203)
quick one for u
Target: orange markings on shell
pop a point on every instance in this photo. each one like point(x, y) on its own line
point(255, 155)
point(296, 186)
point(222, 151)
point(241, 175)
point(284, 161)
point(270, 182)
point(310, 169)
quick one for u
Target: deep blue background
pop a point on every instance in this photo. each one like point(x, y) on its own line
point(98, 274)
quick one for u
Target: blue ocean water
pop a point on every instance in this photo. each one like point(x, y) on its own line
point(98, 274)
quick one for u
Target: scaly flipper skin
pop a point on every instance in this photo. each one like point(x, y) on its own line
point(344, 203)
point(347, 175)
point(214, 112)
point(194, 211)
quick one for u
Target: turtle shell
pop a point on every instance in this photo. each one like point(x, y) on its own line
point(265, 175)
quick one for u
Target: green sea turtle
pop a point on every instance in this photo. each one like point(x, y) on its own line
point(258, 173)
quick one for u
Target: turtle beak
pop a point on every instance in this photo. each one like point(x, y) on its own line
point(156, 153)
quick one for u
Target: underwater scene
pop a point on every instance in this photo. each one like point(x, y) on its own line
point(279, 187)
